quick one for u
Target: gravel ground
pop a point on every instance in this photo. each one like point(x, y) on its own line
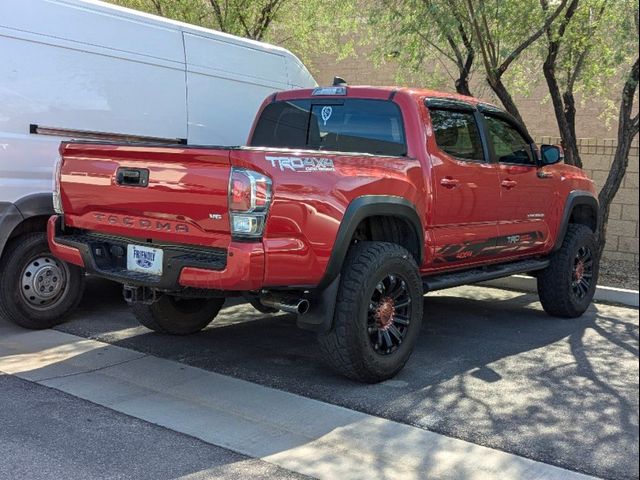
point(619, 274)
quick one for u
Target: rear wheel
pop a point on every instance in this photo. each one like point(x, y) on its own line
point(566, 287)
point(178, 316)
point(378, 313)
point(37, 290)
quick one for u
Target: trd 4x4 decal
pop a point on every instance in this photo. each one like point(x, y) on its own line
point(493, 246)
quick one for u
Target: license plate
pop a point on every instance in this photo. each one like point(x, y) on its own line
point(144, 259)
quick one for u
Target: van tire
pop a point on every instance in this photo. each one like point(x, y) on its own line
point(26, 260)
point(178, 316)
point(350, 346)
point(559, 291)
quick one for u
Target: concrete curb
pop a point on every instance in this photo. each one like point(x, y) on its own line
point(619, 296)
point(299, 434)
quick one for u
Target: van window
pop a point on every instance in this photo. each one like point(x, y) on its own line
point(457, 133)
point(353, 125)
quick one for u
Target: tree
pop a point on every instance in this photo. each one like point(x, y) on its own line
point(498, 31)
point(421, 32)
point(587, 48)
point(502, 31)
point(568, 51)
point(627, 131)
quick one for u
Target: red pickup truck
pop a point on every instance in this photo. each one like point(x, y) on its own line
point(347, 206)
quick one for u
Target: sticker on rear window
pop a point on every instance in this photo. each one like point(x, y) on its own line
point(326, 114)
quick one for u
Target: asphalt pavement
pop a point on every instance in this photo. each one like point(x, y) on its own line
point(490, 368)
point(46, 434)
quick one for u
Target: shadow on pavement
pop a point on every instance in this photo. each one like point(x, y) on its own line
point(490, 367)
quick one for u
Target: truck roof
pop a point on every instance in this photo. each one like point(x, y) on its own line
point(384, 92)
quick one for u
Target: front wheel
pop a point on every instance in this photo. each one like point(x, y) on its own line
point(178, 316)
point(37, 290)
point(566, 287)
point(378, 313)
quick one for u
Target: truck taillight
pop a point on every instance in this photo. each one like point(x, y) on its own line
point(57, 199)
point(249, 200)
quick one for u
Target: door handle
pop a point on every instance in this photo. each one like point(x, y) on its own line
point(509, 184)
point(132, 177)
point(449, 182)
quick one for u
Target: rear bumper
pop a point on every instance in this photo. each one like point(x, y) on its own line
point(240, 267)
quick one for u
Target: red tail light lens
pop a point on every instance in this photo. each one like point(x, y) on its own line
point(240, 192)
point(249, 191)
point(249, 200)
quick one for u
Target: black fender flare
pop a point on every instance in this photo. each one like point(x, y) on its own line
point(574, 199)
point(13, 214)
point(361, 208)
point(36, 205)
point(323, 298)
point(10, 218)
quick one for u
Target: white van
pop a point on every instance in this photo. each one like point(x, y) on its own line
point(87, 69)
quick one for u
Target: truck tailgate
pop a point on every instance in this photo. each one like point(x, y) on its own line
point(173, 194)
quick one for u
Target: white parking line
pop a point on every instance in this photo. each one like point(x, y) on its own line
point(294, 432)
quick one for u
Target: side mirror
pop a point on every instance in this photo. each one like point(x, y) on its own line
point(551, 154)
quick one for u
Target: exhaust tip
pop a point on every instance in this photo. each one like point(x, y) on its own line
point(297, 306)
point(303, 306)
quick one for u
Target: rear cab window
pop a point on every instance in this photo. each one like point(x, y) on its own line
point(352, 125)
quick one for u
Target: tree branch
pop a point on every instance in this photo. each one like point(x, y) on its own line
point(476, 29)
point(524, 45)
point(217, 12)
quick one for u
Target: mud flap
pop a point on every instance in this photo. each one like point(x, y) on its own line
point(319, 318)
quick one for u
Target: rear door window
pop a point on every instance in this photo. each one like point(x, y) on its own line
point(352, 125)
point(457, 133)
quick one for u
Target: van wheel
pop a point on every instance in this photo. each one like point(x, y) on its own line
point(566, 287)
point(178, 316)
point(378, 313)
point(37, 290)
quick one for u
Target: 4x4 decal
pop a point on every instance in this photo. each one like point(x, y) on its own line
point(492, 246)
point(302, 164)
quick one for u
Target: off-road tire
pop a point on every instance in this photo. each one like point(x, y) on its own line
point(15, 306)
point(347, 347)
point(175, 316)
point(555, 282)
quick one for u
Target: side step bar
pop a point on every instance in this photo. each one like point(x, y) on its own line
point(491, 272)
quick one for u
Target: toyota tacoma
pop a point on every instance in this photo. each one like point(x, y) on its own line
point(347, 205)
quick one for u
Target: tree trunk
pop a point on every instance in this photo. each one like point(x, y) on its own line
point(570, 115)
point(567, 133)
point(627, 130)
point(505, 97)
point(462, 83)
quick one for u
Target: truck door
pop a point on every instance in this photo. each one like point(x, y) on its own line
point(526, 199)
point(462, 214)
